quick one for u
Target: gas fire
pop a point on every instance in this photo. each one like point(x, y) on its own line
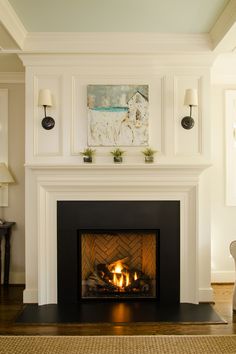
point(121, 277)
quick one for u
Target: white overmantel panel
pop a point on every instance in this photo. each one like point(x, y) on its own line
point(68, 76)
point(48, 184)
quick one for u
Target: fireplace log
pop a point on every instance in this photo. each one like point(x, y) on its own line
point(94, 281)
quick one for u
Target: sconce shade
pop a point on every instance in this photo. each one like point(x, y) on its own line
point(5, 175)
point(191, 98)
point(45, 97)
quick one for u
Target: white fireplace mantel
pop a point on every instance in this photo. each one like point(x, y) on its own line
point(48, 184)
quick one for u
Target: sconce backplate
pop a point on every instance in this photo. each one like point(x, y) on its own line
point(187, 122)
point(48, 123)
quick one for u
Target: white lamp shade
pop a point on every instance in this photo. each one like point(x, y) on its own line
point(191, 97)
point(5, 176)
point(45, 97)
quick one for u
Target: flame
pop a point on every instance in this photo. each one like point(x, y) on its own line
point(121, 277)
point(127, 279)
point(118, 268)
point(114, 279)
point(121, 281)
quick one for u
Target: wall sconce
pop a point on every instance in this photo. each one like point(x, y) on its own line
point(45, 100)
point(190, 99)
point(5, 179)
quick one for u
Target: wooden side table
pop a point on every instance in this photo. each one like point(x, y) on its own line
point(5, 230)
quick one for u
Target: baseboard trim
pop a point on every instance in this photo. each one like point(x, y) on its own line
point(223, 276)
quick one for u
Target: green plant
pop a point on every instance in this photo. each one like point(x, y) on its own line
point(88, 152)
point(117, 152)
point(149, 152)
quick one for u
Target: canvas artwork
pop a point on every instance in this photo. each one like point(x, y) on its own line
point(117, 115)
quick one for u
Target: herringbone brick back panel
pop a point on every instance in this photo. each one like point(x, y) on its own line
point(149, 256)
point(88, 255)
point(107, 248)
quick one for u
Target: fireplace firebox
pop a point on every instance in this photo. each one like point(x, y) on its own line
point(118, 264)
point(118, 250)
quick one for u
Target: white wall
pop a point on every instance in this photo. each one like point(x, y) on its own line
point(223, 217)
point(15, 210)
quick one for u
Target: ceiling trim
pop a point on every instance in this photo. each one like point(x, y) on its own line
point(116, 42)
point(149, 61)
point(223, 33)
point(12, 23)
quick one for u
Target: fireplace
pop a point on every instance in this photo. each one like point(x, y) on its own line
point(118, 250)
point(118, 264)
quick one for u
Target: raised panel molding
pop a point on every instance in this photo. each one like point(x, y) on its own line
point(48, 142)
point(68, 76)
point(230, 141)
point(187, 142)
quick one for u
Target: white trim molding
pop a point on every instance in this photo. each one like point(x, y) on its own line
point(230, 147)
point(116, 42)
point(221, 276)
point(12, 23)
point(45, 185)
point(224, 30)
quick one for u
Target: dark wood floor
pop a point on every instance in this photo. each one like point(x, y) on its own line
point(11, 305)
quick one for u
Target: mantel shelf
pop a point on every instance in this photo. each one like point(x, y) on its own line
point(123, 166)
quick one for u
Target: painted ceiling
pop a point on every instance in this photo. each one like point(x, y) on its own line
point(162, 16)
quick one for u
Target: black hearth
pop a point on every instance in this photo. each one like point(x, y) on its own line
point(81, 223)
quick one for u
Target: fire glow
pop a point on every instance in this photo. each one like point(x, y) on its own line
point(118, 279)
point(121, 277)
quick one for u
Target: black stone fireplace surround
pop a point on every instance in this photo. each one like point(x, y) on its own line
point(74, 216)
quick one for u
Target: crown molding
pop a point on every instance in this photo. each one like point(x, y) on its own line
point(147, 61)
point(12, 23)
point(12, 77)
point(116, 42)
point(223, 33)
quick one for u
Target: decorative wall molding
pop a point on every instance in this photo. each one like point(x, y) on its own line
point(187, 142)
point(224, 30)
point(230, 148)
point(50, 178)
point(12, 23)
point(12, 78)
point(48, 143)
point(49, 184)
point(79, 71)
point(122, 59)
point(116, 42)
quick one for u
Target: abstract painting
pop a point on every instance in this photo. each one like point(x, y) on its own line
point(117, 115)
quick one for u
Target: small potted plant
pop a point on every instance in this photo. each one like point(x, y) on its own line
point(117, 155)
point(88, 155)
point(149, 155)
